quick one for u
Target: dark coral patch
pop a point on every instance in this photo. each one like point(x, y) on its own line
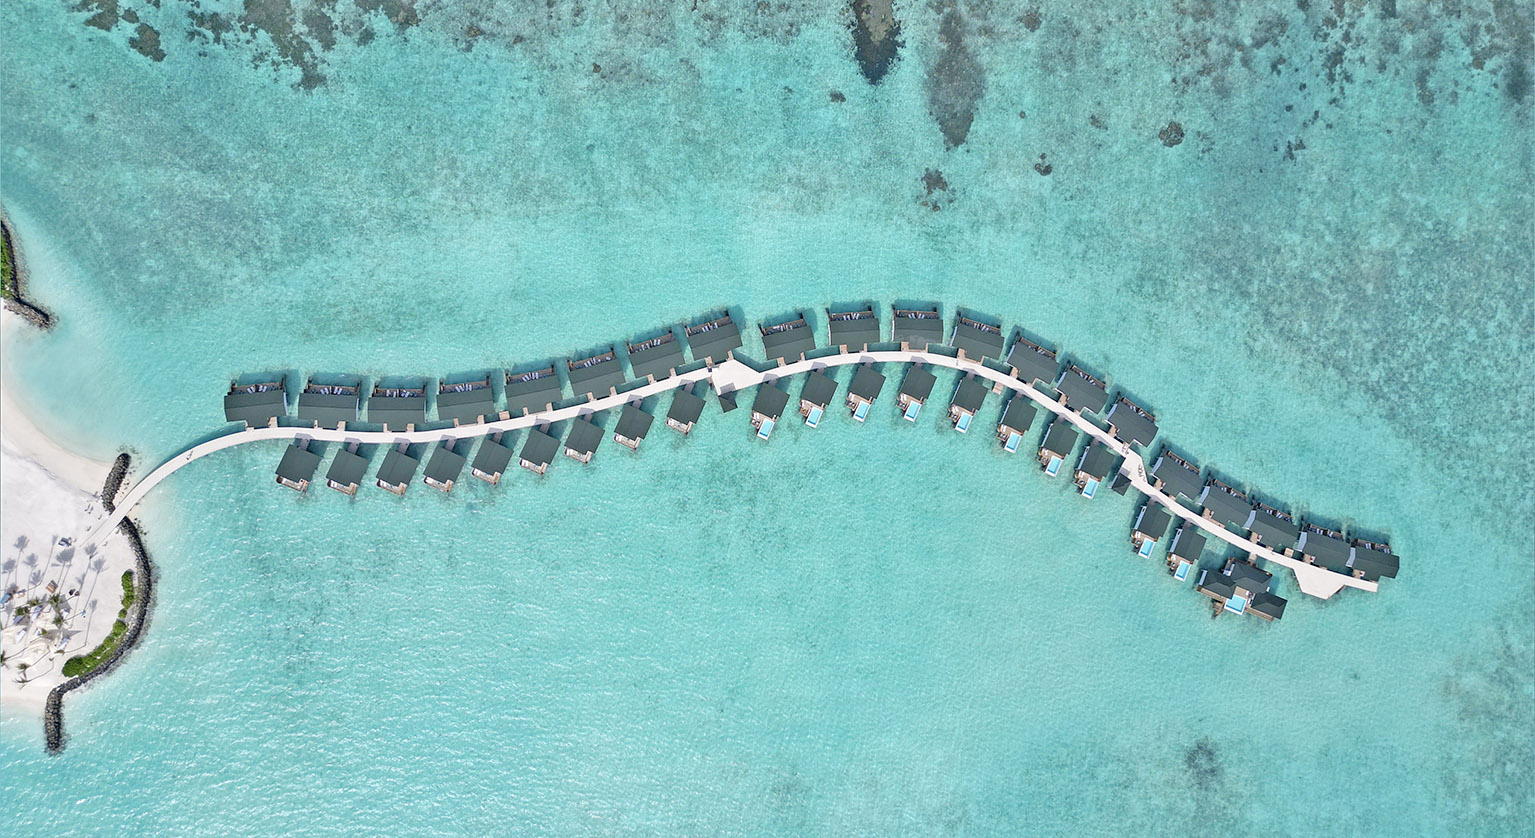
point(876, 37)
point(956, 82)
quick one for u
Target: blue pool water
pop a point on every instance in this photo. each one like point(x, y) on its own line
point(766, 429)
point(814, 418)
point(964, 422)
point(1182, 573)
point(1053, 467)
point(1011, 446)
point(1089, 488)
point(1236, 604)
point(861, 412)
point(912, 409)
point(1301, 279)
point(1147, 545)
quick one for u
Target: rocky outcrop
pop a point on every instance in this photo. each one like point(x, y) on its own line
point(16, 280)
point(876, 37)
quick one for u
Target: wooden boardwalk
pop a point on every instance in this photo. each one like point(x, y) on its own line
point(728, 376)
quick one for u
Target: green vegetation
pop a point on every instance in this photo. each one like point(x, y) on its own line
point(7, 269)
point(81, 664)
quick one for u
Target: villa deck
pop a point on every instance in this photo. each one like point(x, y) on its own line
point(297, 467)
point(968, 397)
point(1324, 548)
point(1185, 551)
point(596, 375)
point(1240, 587)
point(1225, 506)
point(915, 389)
point(346, 472)
point(916, 329)
point(398, 408)
point(328, 405)
point(397, 470)
point(685, 410)
point(257, 405)
point(1150, 527)
point(1080, 391)
point(866, 387)
point(1017, 418)
point(1059, 440)
point(581, 443)
point(443, 467)
point(788, 342)
point(1097, 463)
point(533, 391)
point(976, 339)
point(633, 425)
point(466, 403)
point(768, 408)
point(538, 451)
point(1273, 528)
point(491, 460)
point(853, 331)
point(714, 341)
point(1131, 424)
point(1033, 364)
point(1176, 476)
point(656, 358)
point(816, 396)
point(1372, 561)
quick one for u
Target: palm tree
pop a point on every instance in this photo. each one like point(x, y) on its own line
point(23, 668)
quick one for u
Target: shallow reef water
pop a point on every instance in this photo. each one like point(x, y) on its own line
point(1298, 232)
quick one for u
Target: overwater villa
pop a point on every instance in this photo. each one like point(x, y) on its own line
point(443, 467)
point(397, 470)
point(466, 403)
point(866, 387)
point(532, 391)
point(1080, 391)
point(714, 341)
point(346, 470)
point(1056, 447)
point(1131, 424)
point(916, 329)
point(1241, 588)
point(1372, 560)
point(915, 389)
point(976, 340)
point(1183, 554)
point(328, 405)
point(1033, 364)
point(768, 408)
point(656, 358)
point(633, 425)
point(491, 460)
point(1176, 476)
point(1225, 506)
point(257, 405)
point(397, 408)
point(816, 396)
point(685, 410)
point(581, 442)
point(1273, 528)
point(596, 376)
point(1150, 527)
point(297, 466)
point(967, 400)
point(1324, 548)
point(538, 451)
point(1017, 418)
point(1097, 463)
point(788, 342)
point(853, 331)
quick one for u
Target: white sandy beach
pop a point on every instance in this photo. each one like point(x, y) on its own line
point(47, 494)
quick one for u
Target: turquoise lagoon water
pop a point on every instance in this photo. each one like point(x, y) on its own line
point(867, 628)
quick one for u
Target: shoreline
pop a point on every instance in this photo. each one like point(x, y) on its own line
point(16, 300)
point(48, 493)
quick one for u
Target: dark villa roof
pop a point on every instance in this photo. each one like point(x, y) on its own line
point(853, 329)
point(595, 374)
point(819, 389)
point(788, 341)
point(1273, 531)
point(492, 457)
point(1188, 543)
point(1129, 424)
point(347, 468)
point(445, 464)
point(397, 411)
point(1081, 392)
point(714, 340)
point(686, 408)
point(1019, 415)
point(867, 382)
point(532, 391)
point(1098, 460)
point(1225, 508)
point(633, 423)
point(1061, 438)
point(255, 409)
point(970, 394)
point(583, 436)
point(398, 468)
point(977, 339)
point(657, 356)
point(1031, 364)
point(539, 448)
point(1268, 604)
point(1329, 552)
point(918, 384)
point(1373, 564)
point(770, 401)
point(298, 464)
point(1214, 582)
point(328, 409)
point(1176, 480)
point(1248, 577)
point(1153, 520)
point(918, 327)
point(465, 405)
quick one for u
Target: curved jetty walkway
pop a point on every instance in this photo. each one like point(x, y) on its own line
point(729, 376)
